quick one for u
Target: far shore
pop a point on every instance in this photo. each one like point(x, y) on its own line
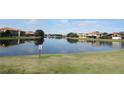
point(33, 37)
point(109, 40)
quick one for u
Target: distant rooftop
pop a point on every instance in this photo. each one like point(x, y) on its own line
point(8, 28)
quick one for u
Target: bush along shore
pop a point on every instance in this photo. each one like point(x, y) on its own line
point(92, 39)
point(22, 37)
point(82, 63)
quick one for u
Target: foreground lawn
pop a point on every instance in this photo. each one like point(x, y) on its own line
point(96, 62)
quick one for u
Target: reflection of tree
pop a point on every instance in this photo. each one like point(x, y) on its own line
point(39, 41)
point(58, 37)
point(72, 40)
point(106, 43)
point(6, 43)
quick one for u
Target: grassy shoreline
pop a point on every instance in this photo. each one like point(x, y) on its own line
point(13, 38)
point(87, 63)
point(33, 37)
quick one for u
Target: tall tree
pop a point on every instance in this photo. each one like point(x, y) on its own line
point(122, 34)
point(39, 33)
point(8, 33)
point(71, 34)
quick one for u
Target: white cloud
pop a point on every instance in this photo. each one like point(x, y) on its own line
point(84, 24)
point(64, 21)
point(32, 21)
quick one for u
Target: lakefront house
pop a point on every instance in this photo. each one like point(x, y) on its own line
point(116, 36)
point(11, 32)
point(82, 35)
point(94, 34)
point(30, 33)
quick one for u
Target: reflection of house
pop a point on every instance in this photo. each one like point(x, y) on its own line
point(116, 36)
point(30, 33)
point(7, 43)
point(11, 31)
point(95, 34)
point(116, 44)
point(96, 43)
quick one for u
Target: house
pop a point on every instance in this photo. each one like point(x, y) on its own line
point(6, 31)
point(30, 33)
point(116, 36)
point(94, 34)
point(82, 35)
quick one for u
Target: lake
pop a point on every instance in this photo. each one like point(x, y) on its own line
point(55, 46)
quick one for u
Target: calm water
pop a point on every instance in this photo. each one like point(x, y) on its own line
point(46, 46)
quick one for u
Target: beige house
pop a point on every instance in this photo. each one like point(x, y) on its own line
point(82, 35)
point(13, 31)
point(95, 34)
point(116, 36)
point(30, 33)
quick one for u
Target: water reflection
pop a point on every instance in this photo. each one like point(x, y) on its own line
point(72, 40)
point(98, 43)
point(117, 45)
point(47, 46)
point(39, 43)
point(7, 43)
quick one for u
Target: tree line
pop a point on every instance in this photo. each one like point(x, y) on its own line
point(104, 35)
point(10, 33)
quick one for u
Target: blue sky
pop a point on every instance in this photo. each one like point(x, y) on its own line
point(65, 25)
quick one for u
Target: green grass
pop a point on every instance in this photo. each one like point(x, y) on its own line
point(33, 37)
point(87, 63)
point(22, 37)
point(105, 40)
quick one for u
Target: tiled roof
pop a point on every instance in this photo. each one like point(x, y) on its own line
point(94, 32)
point(7, 28)
point(30, 32)
point(115, 33)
